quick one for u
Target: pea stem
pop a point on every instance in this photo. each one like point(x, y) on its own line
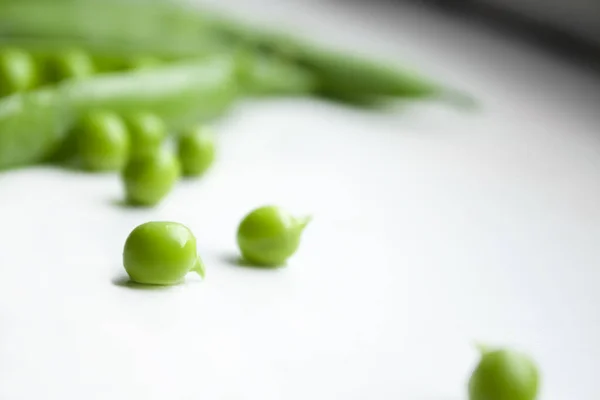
point(199, 268)
point(303, 221)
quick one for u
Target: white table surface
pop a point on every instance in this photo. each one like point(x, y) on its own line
point(433, 228)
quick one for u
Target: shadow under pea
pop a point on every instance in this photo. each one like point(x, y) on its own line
point(124, 282)
point(238, 261)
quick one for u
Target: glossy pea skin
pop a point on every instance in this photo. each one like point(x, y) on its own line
point(147, 132)
point(504, 375)
point(102, 142)
point(148, 178)
point(71, 64)
point(161, 253)
point(196, 150)
point(18, 71)
point(268, 236)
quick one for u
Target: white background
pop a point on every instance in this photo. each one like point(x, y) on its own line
point(433, 228)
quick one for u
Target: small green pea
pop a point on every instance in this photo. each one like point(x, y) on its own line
point(268, 236)
point(196, 151)
point(161, 253)
point(504, 375)
point(18, 71)
point(102, 142)
point(147, 132)
point(148, 178)
point(70, 64)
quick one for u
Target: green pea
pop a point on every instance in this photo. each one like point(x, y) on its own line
point(17, 71)
point(196, 151)
point(148, 178)
point(71, 64)
point(147, 132)
point(161, 253)
point(268, 236)
point(504, 375)
point(102, 142)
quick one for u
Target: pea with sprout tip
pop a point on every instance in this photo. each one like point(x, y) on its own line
point(196, 150)
point(268, 236)
point(102, 142)
point(18, 71)
point(147, 132)
point(149, 177)
point(161, 253)
point(504, 374)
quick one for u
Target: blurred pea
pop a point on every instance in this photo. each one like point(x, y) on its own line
point(102, 142)
point(147, 132)
point(18, 71)
point(70, 64)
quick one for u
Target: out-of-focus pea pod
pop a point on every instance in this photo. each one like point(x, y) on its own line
point(110, 48)
point(157, 28)
point(258, 73)
point(142, 62)
point(172, 29)
point(339, 74)
point(33, 125)
point(262, 74)
point(105, 57)
point(179, 93)
point(345, 74)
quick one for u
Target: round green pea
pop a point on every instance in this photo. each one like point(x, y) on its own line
point(161, 253)
point(196, 150)
point(70, 64)
point(504, 375)
point(268, 236)
point(102, 142)
point(17, 71)
point(147, 132)
point(149, 177)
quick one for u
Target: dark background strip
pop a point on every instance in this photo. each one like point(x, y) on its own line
point(560, 41)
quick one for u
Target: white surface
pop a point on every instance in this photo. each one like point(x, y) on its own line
point(432, 228)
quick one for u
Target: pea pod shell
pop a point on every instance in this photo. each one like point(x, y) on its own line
point(34, 124)
point(31, 126)
point(179, 93)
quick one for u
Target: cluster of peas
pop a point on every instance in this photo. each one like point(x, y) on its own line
point(162, 253)
point(21, 71)
point(137, 146)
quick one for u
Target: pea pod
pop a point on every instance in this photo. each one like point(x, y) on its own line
point(46, 45)
point(180, 93)
point(339, 74)
point(106, 19)
point(34, 124)
point(171, 26)
point(31, 126)
point(107, 56)
point(155, 28)
point(262, 74)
